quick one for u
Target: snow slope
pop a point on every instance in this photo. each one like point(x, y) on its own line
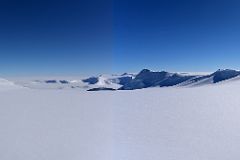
point(54, 124)
point(7, 85)
point(179, 123)
point(200, 123)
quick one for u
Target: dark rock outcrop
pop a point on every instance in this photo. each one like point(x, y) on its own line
point(50, 81)
point(91, 80)
point(64, 81)
point(101, 89)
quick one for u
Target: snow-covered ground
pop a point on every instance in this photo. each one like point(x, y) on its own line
point(171, 123)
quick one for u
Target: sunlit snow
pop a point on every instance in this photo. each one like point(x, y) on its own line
point(172, 123)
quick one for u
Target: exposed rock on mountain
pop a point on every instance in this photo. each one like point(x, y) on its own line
point(101, 89)
point(147, 78)
point(91, 80)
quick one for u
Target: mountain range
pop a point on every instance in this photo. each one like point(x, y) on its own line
point(144, 79)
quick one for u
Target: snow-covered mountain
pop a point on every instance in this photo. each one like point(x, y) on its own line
point(100, 82)
point(144, 79)
point(147, 78)
point(216, 77)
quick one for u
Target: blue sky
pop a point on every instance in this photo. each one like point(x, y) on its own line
point(104, 36)
point(55, 36)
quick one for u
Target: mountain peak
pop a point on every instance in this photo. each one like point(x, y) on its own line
point(144, 71)
point(224, 74)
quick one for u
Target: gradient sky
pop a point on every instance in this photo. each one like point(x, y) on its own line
point(106, 36)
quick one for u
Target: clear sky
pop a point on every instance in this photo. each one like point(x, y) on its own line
point(103, 36)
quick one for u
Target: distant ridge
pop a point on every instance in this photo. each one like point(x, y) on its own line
point(147, 78)
point(144, 79)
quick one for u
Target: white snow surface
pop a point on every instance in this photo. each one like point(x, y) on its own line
point(7, 85)
point(172, 123)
